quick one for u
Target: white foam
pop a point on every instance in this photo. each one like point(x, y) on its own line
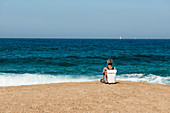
point(147, 78)
point(8, 79)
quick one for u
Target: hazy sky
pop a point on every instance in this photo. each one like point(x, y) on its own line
point(85, 18)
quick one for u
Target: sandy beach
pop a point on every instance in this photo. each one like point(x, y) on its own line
point(91, 97)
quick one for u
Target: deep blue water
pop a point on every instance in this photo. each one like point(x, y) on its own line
point(34, 61)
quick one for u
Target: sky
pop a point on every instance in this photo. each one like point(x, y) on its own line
point(84, 18)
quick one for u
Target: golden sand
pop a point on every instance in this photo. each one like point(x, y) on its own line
point(82, 97)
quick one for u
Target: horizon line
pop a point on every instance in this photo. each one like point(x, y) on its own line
point(86, 37)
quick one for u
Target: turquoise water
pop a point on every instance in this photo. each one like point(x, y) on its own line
point(39, 61)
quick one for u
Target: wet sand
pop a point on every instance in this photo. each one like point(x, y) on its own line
point(82, 97)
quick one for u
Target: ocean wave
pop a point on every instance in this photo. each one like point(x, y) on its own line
point(11, 79)
point(151, 78)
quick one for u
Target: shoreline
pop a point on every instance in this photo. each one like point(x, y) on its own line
point(91, 96)
point(81, 82)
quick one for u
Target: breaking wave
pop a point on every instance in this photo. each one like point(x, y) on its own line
point(11, 79)
point(8, 79)
point(144, 78)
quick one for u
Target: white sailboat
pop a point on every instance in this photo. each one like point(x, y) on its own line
point(120, 37)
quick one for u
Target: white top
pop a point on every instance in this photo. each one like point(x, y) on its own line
point(111, 76)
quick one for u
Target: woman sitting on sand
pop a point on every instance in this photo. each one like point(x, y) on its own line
point(109, 63)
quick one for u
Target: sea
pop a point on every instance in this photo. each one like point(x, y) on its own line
point(42, 61)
